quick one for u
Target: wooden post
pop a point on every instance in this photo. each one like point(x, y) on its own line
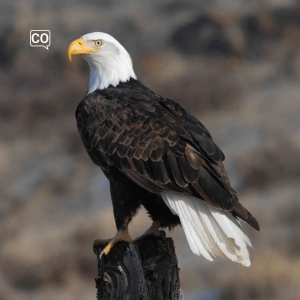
point(146, 269)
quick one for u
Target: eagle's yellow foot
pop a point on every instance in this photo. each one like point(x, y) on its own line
point(121, 236)
point(154, 230)
point(100, 242)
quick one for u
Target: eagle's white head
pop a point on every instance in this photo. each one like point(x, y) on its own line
point(109, 62)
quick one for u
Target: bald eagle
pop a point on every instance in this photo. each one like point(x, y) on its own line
point(157, 154)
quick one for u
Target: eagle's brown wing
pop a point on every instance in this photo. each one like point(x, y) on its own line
point(157, 144)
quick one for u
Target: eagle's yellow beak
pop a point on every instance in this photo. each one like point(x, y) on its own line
point(80, 47)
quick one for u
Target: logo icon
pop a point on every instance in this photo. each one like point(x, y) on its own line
point(40, 38)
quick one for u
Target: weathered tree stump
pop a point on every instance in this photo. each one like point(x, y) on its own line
point(146, 269)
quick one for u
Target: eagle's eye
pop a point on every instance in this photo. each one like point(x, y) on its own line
point(98, 43)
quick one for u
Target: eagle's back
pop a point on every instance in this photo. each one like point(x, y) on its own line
point(156, 143)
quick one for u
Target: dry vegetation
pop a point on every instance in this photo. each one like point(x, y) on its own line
point(237, 68)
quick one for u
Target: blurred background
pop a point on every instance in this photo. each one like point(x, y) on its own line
point(234, 64)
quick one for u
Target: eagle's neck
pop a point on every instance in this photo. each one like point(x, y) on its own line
point(106, 71)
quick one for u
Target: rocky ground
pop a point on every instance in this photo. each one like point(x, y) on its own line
point(236, 65)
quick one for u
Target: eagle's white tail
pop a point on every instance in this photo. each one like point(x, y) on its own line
point(210, 232)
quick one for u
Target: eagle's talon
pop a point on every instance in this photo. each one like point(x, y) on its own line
point(101, 254)
point(162, 234)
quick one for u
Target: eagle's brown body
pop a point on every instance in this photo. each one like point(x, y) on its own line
point(146, 144)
